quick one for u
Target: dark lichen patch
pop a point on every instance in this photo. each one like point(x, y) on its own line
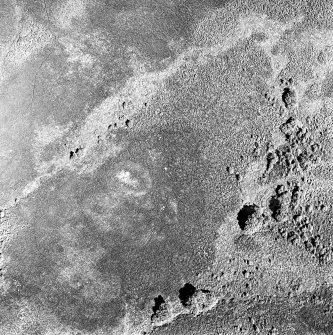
point(327, 86)
point(39, 255)
point(317, 312)
point(150, 240)
point(72, 308)
point(172, 157)
point(153, 26)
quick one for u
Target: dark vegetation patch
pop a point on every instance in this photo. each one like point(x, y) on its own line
point(159, 309)
point(289, 97)
point(159, 301)
point(186, 293)
point(245, 214)
point(275, 206)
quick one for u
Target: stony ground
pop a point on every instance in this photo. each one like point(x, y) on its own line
point(166, 167)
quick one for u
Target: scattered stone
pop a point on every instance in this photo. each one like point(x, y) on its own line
point(289, 97)
point(75, 153)
point(230, 170)
point(246, 274)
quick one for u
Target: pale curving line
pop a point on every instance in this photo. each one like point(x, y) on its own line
point(131, 185)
